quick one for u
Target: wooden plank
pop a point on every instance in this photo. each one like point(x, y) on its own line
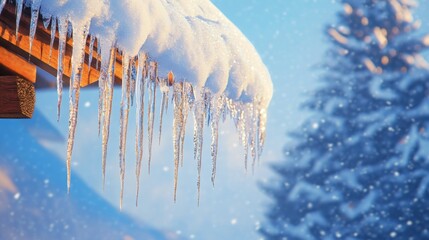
point(17, 65)
point(41, 47)
point(17, 97)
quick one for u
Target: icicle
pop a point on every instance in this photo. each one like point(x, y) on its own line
point(252, 132)
point(182, 99)
point(69, 31)
point(125, 107)
point(2, 3)
point(164, 87)
point(35, 6)
point(216, 104)
point(140, 86)
point(91, 52)
point(79, 40)
point(262, 121)
point(225, 109)
point(177, 126)
point(132, 88)
point(46, 20)
point(187, 99)
point(101, 82)
point(53, 32)
point(62, 28)
point(151, 105)
point(199, 119)
point(18, 16)
point(161, 111)
point(241, 128)
point(107, 77)
point(99, 54)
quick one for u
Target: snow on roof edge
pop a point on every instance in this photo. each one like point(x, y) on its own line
point(192, 38)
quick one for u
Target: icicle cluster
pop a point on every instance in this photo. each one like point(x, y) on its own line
point(140, 74)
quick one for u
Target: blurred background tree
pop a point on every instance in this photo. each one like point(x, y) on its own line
point(358, 168)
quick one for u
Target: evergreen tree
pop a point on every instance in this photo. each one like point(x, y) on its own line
point(359, 168)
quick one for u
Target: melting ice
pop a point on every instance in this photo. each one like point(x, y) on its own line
point(140, 74)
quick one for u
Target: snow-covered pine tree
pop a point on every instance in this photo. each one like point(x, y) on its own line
point(359, 168)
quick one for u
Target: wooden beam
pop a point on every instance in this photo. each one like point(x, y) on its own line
point(17, 97)
point(17, 65)
point(41, 47)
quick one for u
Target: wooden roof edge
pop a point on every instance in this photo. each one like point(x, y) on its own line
point(17, 65)
point(17, 97)
point(40, 54)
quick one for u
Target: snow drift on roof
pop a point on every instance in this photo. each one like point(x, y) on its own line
point(192, 38)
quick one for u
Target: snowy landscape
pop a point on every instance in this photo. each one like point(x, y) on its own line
point(234, 120)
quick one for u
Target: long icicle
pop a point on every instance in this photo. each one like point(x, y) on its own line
point(199, 114)
point(53, 32)
point(80, 34)
point(35, 6)
point(151, 108)
point(62, 28)
point(184, 119)
point(125, 107)
point(216, 105)
point(108, 51)
point(101, 81)
point(140, 86)
point(18, 16)
point(177, 126)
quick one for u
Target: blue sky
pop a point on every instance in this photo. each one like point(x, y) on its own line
point(288, 34)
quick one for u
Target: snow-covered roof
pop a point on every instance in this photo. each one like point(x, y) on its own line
point(192, 38)
point(185, 46)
